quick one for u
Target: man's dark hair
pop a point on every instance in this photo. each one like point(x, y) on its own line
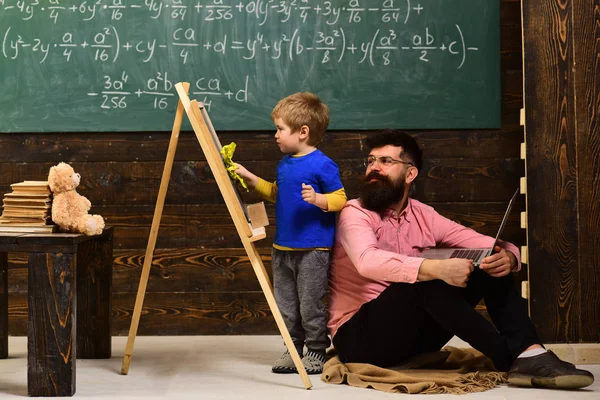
point(411, 151)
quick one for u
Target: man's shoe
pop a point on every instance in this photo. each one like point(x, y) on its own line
point(284, 365)
point(548, 371)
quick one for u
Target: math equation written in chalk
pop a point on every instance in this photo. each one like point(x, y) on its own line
point(113, 58)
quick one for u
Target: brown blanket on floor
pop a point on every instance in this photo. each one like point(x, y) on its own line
point(451, 370)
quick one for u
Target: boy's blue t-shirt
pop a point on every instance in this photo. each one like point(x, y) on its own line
point(298, 223)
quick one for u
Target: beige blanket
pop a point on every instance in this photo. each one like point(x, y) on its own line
point(451, 370)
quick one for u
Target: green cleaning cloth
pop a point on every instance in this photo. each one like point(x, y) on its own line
point(227, 153)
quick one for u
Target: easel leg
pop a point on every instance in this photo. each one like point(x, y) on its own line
point(160, 201)
point(265, 284)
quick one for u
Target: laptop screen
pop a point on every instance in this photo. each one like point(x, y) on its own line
point(503, 223)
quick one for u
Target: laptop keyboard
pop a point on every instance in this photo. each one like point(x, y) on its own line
point(469, 254)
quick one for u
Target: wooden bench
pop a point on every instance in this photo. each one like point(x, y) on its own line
point(69, 304)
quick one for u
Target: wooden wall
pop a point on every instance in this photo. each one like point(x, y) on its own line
point(201, 281)
point(562, 103)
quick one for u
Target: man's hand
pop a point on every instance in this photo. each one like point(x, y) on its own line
point(500, 263)
point(454, 271)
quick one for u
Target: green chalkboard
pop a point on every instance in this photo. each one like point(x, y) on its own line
point(111, 65)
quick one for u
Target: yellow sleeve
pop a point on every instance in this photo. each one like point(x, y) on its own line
point(267, 190)
point(336, 200)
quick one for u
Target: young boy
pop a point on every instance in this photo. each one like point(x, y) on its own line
point(307, 193)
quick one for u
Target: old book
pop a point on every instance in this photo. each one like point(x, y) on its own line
point(22, 222)
point(41, 185)
point(31, 189)
point(26, 195)
point(18, 201)
point(26, 218)
point(27, 229)
point(25, 211)
point(18, 207)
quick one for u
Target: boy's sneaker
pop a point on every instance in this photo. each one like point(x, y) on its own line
point(313, 362)
point(548, 371)
point(284, 365)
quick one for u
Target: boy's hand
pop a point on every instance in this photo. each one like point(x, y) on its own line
point(308, 194)
point(311, 197)
point(242, 171)
point(248, 177)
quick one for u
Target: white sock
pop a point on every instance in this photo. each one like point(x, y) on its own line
point(532, 353)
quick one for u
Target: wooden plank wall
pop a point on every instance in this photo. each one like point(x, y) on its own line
point(562, 102)
point(201, 281)
point(586, 39)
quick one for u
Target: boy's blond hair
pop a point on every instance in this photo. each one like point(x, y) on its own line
point(304, 108)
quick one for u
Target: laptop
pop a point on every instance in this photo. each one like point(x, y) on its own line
point(476, 255)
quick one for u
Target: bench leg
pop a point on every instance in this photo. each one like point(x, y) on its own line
point(51, 348)
point(3, 305)
point(94, 278)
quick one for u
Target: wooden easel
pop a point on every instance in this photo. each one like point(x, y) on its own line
point(248, 233)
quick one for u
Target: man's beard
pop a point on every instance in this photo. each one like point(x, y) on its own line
point(381, 193)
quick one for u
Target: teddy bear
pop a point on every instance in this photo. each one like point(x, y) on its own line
point(69, 208)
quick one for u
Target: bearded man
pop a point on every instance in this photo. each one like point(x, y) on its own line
point(388, 304)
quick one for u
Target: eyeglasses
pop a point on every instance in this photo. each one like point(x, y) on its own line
point(384, 161)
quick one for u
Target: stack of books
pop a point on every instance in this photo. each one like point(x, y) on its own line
point(28, 208)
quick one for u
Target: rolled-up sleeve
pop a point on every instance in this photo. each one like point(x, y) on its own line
point(356, 233)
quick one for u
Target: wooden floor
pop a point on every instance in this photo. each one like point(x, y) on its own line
point(219, 367)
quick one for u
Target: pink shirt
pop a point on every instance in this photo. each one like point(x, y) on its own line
point(372, 251)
